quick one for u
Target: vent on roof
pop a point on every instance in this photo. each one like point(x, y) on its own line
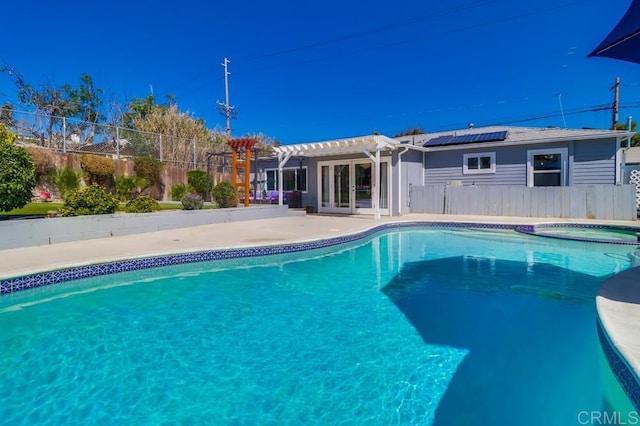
point(462, 139)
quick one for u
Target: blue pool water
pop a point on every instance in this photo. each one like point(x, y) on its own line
point(420, 326)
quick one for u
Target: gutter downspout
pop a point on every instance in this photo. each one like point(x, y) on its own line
point(624, 151)
point(400, 179)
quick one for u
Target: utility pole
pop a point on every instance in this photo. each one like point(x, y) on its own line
point(226, 109)
point(616, 103)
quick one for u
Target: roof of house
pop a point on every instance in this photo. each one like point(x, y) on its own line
point(105, 148)
point(459, 139)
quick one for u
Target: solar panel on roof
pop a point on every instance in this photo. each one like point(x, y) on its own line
point(470, 138)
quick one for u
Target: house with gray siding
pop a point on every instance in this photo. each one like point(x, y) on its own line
point(522, 156)
point(377, 175)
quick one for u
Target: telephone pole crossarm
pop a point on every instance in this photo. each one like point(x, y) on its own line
point(226, 109)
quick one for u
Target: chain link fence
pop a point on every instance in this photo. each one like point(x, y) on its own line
point(61, 134)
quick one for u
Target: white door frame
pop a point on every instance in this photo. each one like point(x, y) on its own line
point(351, 209)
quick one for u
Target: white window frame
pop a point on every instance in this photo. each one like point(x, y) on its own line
point(465, 163)
point(564, 158)
point(295, 169)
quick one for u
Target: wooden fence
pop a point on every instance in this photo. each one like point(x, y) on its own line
point(171, 175)
point(578, 202)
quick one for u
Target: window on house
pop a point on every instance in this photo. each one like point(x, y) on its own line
point(546, 167)
point(293, 179)
point(482, 162)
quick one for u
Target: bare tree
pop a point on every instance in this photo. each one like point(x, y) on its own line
point(181, 133)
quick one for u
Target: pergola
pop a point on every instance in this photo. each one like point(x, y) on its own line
point(370, 145)
point(242, 145)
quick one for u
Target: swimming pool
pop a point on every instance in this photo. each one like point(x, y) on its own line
point(410, 326)
point(592, 233)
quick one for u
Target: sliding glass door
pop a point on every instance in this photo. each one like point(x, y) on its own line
point(348, 186)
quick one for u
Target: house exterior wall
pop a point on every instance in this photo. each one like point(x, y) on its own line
point(442, 167)
point(310, 164)
point(589, 162)
point(404, 177)
point(594, 162)
point(311, 196)
point(311, 199)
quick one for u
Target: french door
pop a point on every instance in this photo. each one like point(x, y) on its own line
point(347, 186)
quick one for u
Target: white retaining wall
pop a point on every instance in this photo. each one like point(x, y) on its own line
point(35, 232)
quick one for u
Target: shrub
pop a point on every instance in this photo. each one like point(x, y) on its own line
point(17, 173)
point(192, 201)
point(178, 191)
point(142, 204)
point(149, 169)
point(127, 187)
point(92, 199)
point(65, 180)
point(43, 161)
point(97, 169)
point(124, 188)
point(199, 181)
point(225, 195)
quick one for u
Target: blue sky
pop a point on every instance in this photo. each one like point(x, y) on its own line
point(311, 71)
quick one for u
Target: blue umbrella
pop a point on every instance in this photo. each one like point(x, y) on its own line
point(624, 41)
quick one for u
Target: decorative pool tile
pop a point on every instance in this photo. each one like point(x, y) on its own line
point(533, 230)
point(625, 375)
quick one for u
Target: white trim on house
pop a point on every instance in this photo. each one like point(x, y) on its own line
point(564, 158)
point(478, 156)
point(360, 144)
point(350, 205)
point(620, 158)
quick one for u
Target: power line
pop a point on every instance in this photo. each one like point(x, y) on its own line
point(430, 36)
point(380, 29)
point(543, 116)
point(374, 30)
point(201, 76)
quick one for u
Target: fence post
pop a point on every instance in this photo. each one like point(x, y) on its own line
point(117, 142)
point(194, 154)
point(64, 134)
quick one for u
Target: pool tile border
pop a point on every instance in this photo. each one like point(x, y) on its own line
point(625, 375)
point(533, 230)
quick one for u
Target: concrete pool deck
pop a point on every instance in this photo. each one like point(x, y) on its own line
point(618, 302)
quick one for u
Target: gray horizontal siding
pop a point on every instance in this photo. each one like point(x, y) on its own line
point(444, 166)
point(594, 162)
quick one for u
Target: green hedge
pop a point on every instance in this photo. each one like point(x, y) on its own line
point(142, 204)
point(225, 195)
point(92, 199)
